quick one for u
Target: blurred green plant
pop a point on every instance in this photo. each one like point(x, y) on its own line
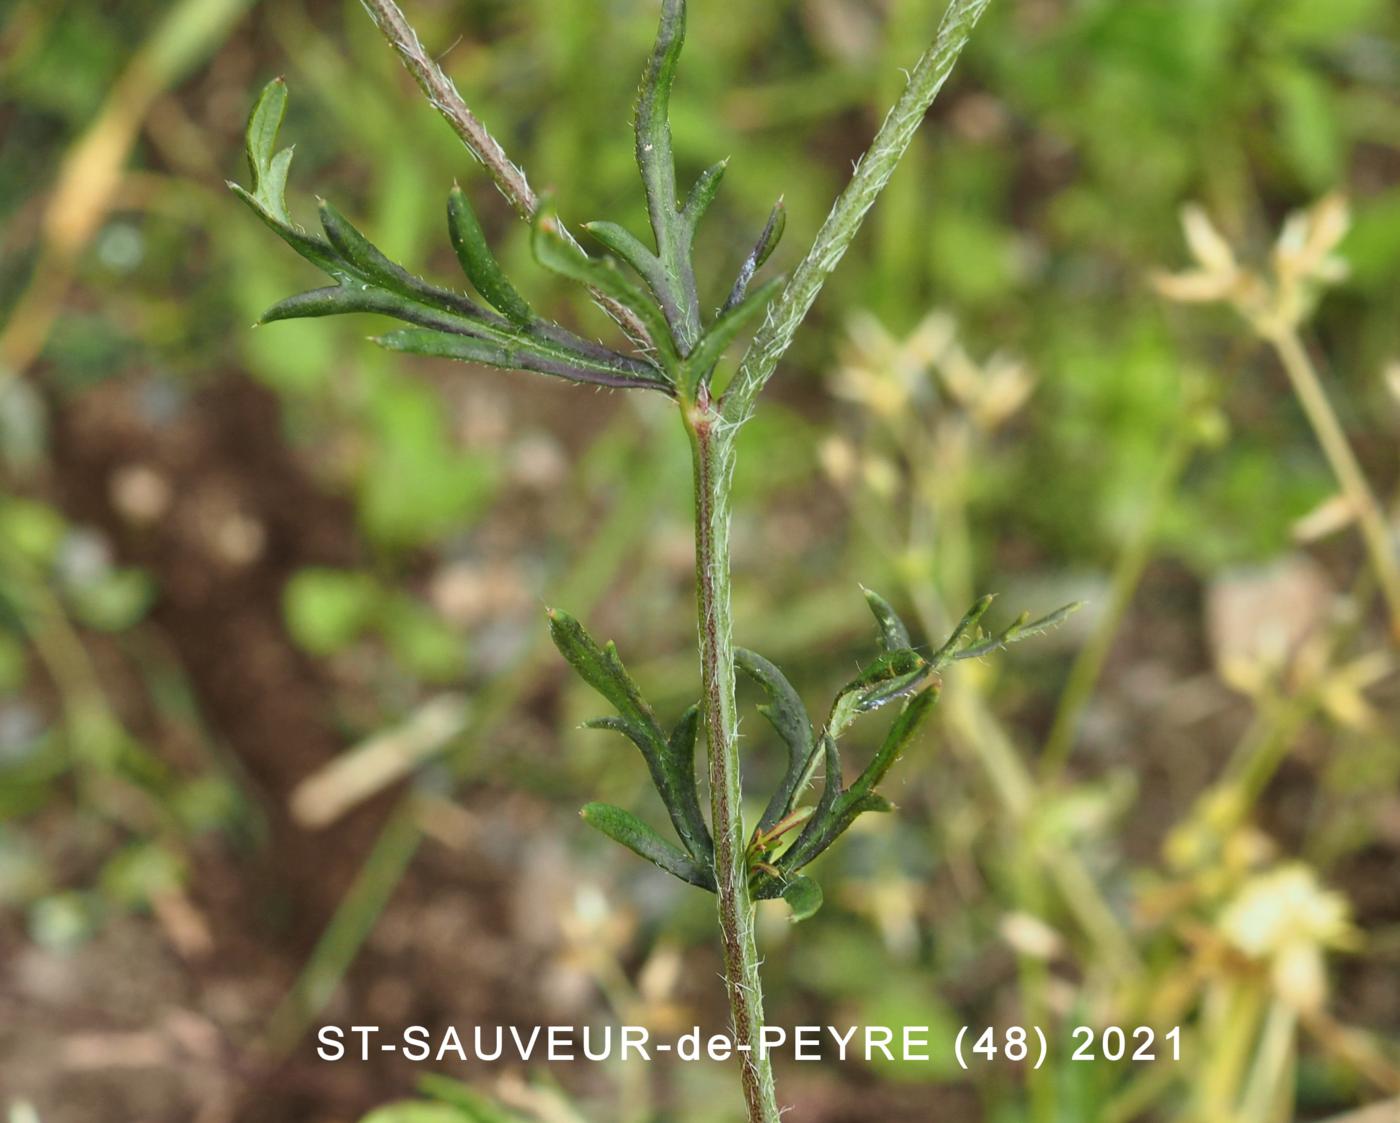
point(327, 610)
point(1276, 304)
point(56, 580)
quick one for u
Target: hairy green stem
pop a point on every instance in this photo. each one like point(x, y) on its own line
point(712, 448)
point(839, 230)
point(509, 177)
point(442, 94)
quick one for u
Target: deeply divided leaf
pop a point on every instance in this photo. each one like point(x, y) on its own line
point(673, 776)
point(367, 280)
point(893, 675)
point(266, 165)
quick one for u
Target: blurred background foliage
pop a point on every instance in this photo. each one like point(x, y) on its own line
point(279, 743)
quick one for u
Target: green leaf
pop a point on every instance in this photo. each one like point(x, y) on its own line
point(562, 256)
point(370, 263)
point(656, 162)
point(838, 809)
point(654, 156)
point(831, 791)
point(700, 363)
point(601, 669)
point(893, 675)
point(702, 194)
point(315, 250)
point(803, 896)
point(516, 353)
point(479, 263)
point(1020, 630)
point(626, 245)
point(967, 627)
point(816, 833)
point(267, 167)
point(911, 718)
point(767, 242)
point(681, 749)
point(874, 802)
point(894, 634)
point(624, 827)
point(365, 258)
point(367, 280)
point(637, 733)
point(338, 300)
point(788, 717)
point(269, 173)
point(770, 235)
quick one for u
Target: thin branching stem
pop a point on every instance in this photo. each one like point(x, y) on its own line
point(1374, 529)
point(871, 175)
point(443, 95)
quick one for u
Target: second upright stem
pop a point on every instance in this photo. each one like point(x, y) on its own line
point(1375, 531)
